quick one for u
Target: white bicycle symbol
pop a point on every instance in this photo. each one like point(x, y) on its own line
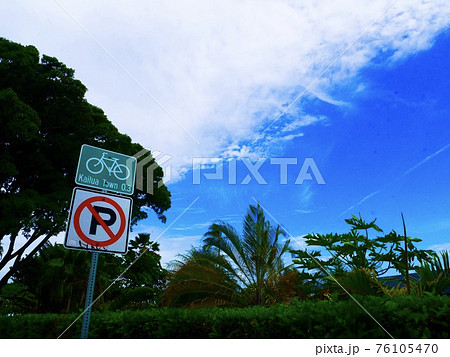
point(95, 165)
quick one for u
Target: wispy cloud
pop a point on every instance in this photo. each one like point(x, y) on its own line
point(440, 247)
point(298, 242)
point(300, 122)
point(429, 157)
point(287, 130)
point(303, 211)
point(223, 70)
point(192, 226)
point(184, 238)
point(361, 201)
point(407, 172)
point(305, 196)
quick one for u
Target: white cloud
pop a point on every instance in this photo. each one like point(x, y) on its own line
point(303, 211)
point(305, 195)
point(302, 121)
point(191, 239)
point(440, 247)
point(171, 247)
point(298, 242)
point(223, 69)
point(193, 226)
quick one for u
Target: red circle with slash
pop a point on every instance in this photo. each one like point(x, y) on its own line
point(112, 237)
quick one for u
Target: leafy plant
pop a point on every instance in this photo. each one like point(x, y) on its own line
point(356, 251)
point(359, 281)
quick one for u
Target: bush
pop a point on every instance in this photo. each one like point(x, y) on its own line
point(402, 317)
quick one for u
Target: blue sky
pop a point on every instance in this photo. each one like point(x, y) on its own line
point(384, 152)
point(360, 87)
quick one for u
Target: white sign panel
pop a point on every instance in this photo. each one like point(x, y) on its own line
point(98, 222)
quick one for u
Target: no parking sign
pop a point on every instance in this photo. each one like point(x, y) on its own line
point(98, 222)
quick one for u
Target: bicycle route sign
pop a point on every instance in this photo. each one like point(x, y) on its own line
point(98, 222)
point(106, 170)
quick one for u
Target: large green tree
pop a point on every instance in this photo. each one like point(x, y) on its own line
point(45, 119)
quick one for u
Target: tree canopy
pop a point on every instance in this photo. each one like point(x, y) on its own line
point(45, 119)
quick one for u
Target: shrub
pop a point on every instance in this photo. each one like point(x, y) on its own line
point(402, 317)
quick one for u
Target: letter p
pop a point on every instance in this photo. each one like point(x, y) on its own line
point(109, 222)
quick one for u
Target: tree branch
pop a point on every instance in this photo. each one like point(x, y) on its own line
point(7, 257)
point(36, 234)
point(18, 263)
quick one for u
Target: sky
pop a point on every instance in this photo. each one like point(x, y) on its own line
point(316, 110)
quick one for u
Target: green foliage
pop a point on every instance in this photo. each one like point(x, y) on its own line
point(144, 279)
point(353, 251)
point(231, 269)
point(359, 281)
point(200, 279)
point(143, 263)
point(45, 119)
point(55, 280)
point(403, 317)
point(58, 277)
point(434, 274)
point(16, 298)
point(395, 256)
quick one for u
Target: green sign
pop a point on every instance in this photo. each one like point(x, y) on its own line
point(106, 170)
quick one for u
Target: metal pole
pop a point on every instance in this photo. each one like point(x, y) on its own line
point(89, 295)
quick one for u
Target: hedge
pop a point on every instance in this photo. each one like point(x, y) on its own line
point(402, 317)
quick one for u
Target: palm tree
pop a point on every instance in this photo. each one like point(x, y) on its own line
point(233, 269)
point(199, 279)
point(434, 274)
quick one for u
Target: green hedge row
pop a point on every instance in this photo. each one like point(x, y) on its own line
point(402, 317)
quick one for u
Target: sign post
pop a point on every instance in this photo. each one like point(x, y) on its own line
point(100, 222)
point(89, 296)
